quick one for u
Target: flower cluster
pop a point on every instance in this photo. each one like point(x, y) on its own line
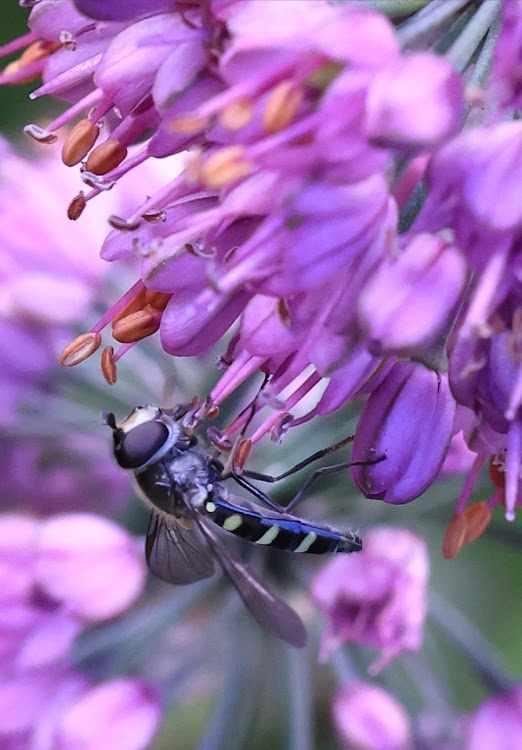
point(300, 148)
point(302, 144)
point(377, 598)
point(46, 702)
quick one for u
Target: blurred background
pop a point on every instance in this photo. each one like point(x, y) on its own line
point(238, 684)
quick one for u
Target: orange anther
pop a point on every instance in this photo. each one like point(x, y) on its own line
point(454, 538)
point(227, 165)
point(477, 516)
point(76, 206)
point(106, 157)
point(136, 326)
point(80, 349)
point(237, 114)
point(108, 365)
point(188, 124)
point(79, 142)
point(281, 106)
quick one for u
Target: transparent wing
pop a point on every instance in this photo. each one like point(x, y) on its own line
point(175, 553)
point(268, 609)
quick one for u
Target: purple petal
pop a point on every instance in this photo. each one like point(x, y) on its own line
point(122, 714)
point(90, 564)
point(408, 419)
point(415, 103)
point(190, 325)
point(366, 716)
point(121, 10)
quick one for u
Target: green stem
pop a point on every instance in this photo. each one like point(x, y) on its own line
point(462, 50)
point(301, 701)
point(495, 672)
point(435, 15)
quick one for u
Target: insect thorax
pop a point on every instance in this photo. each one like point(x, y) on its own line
point(180, 479)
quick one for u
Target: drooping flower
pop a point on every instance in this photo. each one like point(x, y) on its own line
point(376, 598)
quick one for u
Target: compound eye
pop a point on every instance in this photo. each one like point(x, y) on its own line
point(136, 447)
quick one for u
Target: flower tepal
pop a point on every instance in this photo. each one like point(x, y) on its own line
point(409, 420)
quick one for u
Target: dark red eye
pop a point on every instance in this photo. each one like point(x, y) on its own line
point(135, 448)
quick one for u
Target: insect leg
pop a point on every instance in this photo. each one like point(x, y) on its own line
point(325, 471)
point(256, 492)
point(301, 465)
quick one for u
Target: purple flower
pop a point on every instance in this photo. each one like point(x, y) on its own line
point(122, 713)
point(497, 722)
point(412, 298)
point(376, 598)
point(57, 575)
point(323, 212)
point(416, 404)
point(367, 717)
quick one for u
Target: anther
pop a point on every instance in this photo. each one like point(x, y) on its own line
point(478, 517)
point(79, 142)
point(455, 537)
point(241, 455)
point(188, 124)
point(40, 135)
point(227, 165)
point(80, 349)
point(237, 114)
point(76, 206)
point(106, 157)
point(108, 365)
point(281, 106)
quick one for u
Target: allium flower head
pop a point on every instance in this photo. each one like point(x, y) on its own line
point(335, 211)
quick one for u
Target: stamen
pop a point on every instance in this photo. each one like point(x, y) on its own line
point(237, 114)
point(80, 349)
point(79, 142)
point(469, 484)
point(241, 455)
point(38, 52)
point(141, 317)
point(478, 517)
point(108, 365)
point(227, 165)
point(220, 441)
point(281, 106)
point(69, 77)
point(454, 538)
point(105, 157)
point(16, 44)
point(76, 206)
point(39, 134)
point(188, 124)
point(137, 326)
point(117, 222)
point(289, 403)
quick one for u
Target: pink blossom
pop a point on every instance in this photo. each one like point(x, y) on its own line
point(376, 598)
point(366, 717)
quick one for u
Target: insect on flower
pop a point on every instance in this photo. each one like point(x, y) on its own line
point(182, 484)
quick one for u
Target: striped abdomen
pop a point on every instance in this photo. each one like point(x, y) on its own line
point(283, 532)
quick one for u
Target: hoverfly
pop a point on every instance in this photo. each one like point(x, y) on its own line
point(183, 487)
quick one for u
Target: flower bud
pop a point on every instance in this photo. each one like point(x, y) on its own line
point(408, 419)
point(411, 299)
point(415, 102)
point(366, 717)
